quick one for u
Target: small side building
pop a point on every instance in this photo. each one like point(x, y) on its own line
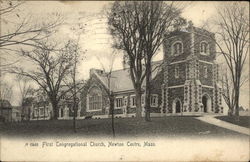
point(5, 111)
point(16, 113)
point(40, 107)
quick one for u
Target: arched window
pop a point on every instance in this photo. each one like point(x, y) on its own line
point(177, 48)
point(204, 49)
point(205, 71)
point(176, 72)
point(94, 99)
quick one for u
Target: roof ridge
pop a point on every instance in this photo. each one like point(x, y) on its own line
point(128, 68)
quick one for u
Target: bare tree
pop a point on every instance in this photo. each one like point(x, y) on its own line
point(9, 6)
point(158, 19)
point(23, 29)
point(233, 42)
point(18, 30)
point(24, 87)
point(108, 74)
point(49, 69)
point(228, 89)
point(123, 20)
point(25, 90)
point(138, 28)
point(75, 62)
point(71, 80)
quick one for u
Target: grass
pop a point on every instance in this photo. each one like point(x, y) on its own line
point(173, 126)
point(243, 121)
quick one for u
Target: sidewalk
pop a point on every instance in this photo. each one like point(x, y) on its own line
point(223, 124)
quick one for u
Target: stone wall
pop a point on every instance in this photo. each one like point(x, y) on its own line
point(93, 81)
point(209, 80)
point(175, 93)
point(209, 91)
point(201, 35)
point(191, 64)
point(156, 88)
point(125, 109)
point(172, 81)
point(184, 37)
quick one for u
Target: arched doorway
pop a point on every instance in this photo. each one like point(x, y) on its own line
point(176, 106)
point(206, 101)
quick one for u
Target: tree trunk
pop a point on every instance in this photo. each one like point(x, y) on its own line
point(138, 102)
point(28, 113)
point(230, 111)
point(55, 114)
point(147, 105)
point(236, 111)
point(75, 114)
point(148, 92)
point(112, 113)
point(74, 102)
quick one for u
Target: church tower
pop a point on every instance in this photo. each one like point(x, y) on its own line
point(190, 73)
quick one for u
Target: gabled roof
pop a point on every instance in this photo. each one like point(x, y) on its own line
point(120, 79)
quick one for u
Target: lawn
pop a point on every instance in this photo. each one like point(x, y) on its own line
point(244, 121)
point(174, 126)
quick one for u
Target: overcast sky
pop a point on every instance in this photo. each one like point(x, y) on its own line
point(96, 39)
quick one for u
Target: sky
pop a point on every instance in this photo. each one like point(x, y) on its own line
point(96, 40)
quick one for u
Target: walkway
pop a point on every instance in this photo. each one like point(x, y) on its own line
point(223, 124)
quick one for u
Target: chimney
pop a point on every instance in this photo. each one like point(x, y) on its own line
point(93, 70)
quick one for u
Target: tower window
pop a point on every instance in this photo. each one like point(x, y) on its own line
point(176, 72)
point(205, 71)
point(177, 48)
point(204, 48)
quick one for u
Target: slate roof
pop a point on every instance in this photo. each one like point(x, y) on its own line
point(120, 79)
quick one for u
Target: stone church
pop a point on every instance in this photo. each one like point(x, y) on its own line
point(185, 82)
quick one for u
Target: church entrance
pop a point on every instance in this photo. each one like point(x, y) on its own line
point(176, 106)
point(206, 101)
